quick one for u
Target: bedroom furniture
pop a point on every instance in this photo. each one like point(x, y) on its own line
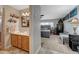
point(60, 26)
point(73, 42)
point(64, 37)
point(45, 31)
point(20, 41)
point(71, 39)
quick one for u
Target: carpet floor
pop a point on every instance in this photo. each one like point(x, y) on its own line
point(54, 45)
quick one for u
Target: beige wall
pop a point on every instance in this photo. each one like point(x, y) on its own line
point(35, 42)
point(7, 11)
point(23, 29)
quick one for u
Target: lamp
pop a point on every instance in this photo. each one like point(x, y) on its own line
point(75, 23)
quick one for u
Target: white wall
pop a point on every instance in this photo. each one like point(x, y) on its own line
point(67, 25)
point(35, 29)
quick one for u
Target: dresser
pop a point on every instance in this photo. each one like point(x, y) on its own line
point(74, 42)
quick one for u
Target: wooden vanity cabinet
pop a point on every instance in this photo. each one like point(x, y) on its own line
point(25, 43)
point(14, 39)
point(20, 41)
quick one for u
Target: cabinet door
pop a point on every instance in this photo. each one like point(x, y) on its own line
point(0, 36)
point(25, 43)
point(19, 41)
point(14, 40)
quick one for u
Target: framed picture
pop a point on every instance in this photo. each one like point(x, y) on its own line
point(24, 21)
point(73, 12)
point(67, 16)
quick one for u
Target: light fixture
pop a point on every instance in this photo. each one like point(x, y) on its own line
point(23, 14)
point(75, 23)
point(26, 14)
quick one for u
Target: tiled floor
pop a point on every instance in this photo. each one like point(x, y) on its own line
point(53, 45)
point(12, 50)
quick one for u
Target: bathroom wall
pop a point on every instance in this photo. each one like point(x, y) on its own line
point(1, 41)
point(35, 41)
point(23, 29)
point(6, 25)
point(0, 19)
point(0, 23)
point(7, 11)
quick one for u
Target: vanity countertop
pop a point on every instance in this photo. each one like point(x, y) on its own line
point(20, 33)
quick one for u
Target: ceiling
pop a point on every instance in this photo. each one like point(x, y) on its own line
point(20, 7)
point(50, 11)
point(55, 11)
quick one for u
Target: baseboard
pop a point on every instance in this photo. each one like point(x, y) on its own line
point(38, 49)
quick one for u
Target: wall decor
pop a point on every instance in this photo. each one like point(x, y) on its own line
point(24, 21)
point(73, 12)
point(67, 16)
point(13, 18)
